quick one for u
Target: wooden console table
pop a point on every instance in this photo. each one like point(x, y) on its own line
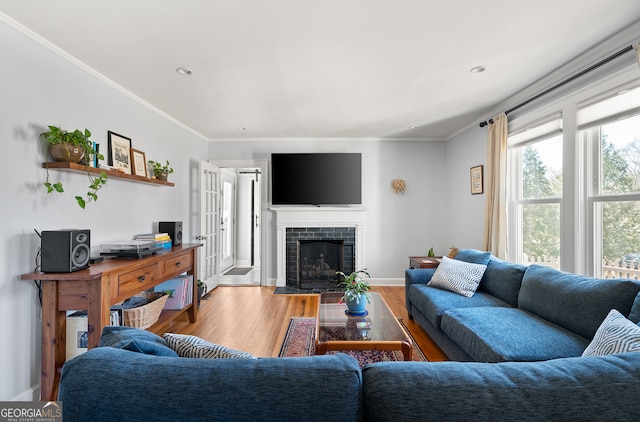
point(95, 290)
point(424, 261)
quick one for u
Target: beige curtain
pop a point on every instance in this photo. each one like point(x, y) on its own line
point(495, 208)
point(636, 47)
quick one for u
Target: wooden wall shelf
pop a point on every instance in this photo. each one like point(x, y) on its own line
point(113, 174)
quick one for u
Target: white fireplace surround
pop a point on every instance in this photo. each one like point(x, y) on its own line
point(292, 217)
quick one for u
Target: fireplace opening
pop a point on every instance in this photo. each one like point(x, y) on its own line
point(318, 262)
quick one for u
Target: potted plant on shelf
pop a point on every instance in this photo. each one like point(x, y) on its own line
point(356, 289)
point(71, 147)
point(161, 171)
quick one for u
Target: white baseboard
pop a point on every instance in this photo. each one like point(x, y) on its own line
point(386, 281)
point(32, 394)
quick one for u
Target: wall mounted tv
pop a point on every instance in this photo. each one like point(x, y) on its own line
point(316, 179)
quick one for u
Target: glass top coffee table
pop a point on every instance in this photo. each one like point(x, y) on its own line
point(379, 329)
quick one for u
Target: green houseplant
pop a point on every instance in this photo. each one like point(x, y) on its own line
point(161, 171)
point(72, 147)
point(355, 290)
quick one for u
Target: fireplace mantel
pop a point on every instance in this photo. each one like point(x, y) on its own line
point(288, 217)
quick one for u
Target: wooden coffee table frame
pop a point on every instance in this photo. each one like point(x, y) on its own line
point(405, 345)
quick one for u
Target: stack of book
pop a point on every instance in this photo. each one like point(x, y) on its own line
point(162, 240)
point(180, 291)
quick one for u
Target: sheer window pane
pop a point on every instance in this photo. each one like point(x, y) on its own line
point(620, 152)
point(620, 239)
point(541, 234)
point(542, 169)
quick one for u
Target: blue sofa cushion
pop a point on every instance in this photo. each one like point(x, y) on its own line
point(433, 302)
point(509, 334)
point(572, 389)
point(135, 340)
point(107, 384)
point(577, 303)
point(634, 315)
point(616, 335)
point(502, 279)
point(458, 276)
point(473, 256)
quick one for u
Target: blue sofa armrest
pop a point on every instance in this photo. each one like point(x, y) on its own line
point(581, 388)
point(416, 276)
point(108, 384)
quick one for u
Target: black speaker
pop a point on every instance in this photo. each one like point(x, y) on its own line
point(64, 251)
point(174, 228)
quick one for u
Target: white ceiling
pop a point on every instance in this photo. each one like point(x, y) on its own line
point(323, 69)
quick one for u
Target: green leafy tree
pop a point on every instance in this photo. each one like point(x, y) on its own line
point(620, 220)
point(541, 223)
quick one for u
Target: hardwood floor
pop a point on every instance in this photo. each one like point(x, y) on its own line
point(254, 320)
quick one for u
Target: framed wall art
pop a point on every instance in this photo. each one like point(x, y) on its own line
point(477, 180)
point(139, 163)
point(119, 152)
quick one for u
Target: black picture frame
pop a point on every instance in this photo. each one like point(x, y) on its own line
point(119, 152)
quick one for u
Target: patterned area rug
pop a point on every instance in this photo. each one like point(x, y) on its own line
point(299, 342)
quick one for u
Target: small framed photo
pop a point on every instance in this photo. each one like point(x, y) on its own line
point(139, 163)
point(120, 152)
point(477, 180)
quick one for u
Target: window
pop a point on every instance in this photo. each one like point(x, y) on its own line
point(610, 133)
point(573, 182)
point(534, 196)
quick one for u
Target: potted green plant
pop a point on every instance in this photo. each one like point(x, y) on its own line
point(72, 147)
point(161, 171)
point(355, 290)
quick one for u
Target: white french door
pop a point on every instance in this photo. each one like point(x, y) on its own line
point(209, 268)
point(228, 219)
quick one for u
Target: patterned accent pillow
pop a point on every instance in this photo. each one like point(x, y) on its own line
point(194, 347)
point(457, 276)
point(616, 334)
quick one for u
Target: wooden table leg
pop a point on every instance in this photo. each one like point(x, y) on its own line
point(407, 350)
point(53, 343)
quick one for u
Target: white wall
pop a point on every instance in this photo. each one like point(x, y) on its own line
point(39, 87)
point(398, 225)
point(465, 211)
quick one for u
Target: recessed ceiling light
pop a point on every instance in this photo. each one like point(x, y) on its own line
point(241, 128)
point(478, 69)
point(184, 71)
point(413, 127)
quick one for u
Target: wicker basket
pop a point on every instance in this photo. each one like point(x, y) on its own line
point(145, 316)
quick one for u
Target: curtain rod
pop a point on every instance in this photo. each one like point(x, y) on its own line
point(566, 81)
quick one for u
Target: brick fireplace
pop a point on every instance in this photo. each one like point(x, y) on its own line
point(314, 254)
point(333, 235)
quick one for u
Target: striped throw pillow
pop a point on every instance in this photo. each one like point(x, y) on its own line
point(194, 347)
point(616, 334)
point(457, 276)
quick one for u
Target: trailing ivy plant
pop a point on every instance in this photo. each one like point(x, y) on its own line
point(54, 136)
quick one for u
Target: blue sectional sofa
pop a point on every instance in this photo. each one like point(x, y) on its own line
point(517, 313)
point(126, 383)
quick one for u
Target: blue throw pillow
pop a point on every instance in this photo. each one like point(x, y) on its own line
point(135, 340)
point(473, 256)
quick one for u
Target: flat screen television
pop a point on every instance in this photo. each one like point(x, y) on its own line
point(316, 179)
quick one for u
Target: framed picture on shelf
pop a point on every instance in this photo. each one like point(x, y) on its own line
point(139, 163)
point(477, 180)
point(119, 152)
